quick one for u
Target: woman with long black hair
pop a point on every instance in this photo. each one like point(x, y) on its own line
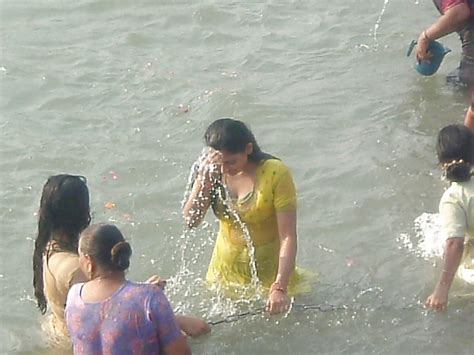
point(247, 190)
point(63, 214)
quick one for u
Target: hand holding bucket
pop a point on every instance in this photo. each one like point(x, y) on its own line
point(437, 51)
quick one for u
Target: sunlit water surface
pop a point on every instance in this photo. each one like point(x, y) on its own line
point(121, 92)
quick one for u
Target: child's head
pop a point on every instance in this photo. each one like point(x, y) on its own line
point(63, 214)
point(455, 149)
point(102, 246)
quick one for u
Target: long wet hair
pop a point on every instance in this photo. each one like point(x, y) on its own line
point(63, 214)
point(233, 136)
point(455, 149)
point(106, 244)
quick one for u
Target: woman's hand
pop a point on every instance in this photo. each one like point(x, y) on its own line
point(156, 280)
point(453, 252)
point(199, 200)
point(278, 302)
point(422, 54)
point(454, 19)
point(210, 170)
point(192, 326)
point(438, 300)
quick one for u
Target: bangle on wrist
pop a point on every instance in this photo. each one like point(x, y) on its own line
point(276, 286)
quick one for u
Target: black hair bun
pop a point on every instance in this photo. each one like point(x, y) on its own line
point(120, 255)
point(458, 171)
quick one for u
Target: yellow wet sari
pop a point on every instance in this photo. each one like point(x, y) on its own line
point(229, 268)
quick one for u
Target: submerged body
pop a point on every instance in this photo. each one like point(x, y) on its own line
point(455, 150)
point(465, 29)
point(457, 217)
point(61, 270)
point(456, 16)
point(135, 319)
point(109, 314)
point(253, 195)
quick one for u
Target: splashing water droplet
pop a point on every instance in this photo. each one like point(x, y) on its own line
point(377, 24)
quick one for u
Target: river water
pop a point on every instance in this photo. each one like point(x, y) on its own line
point(121, 92)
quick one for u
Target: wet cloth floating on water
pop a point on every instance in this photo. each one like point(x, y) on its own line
point(437, 51)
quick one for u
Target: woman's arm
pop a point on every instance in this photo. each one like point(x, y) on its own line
point(199, 200)
point(288, 245)
point(452, 20)
point(453, 251)
point(198, 203)
point(192, 326)
point(178, 347)
point(168, 332)
point(278, 300)
point(157, 281)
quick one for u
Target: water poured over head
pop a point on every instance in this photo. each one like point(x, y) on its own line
point(455, 149)
point(236, 142)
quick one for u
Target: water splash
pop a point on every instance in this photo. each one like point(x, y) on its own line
point(377, 23)
point(193, 173)
point(255, 281)
point(428, 240)
point(187, 242)
point(186, 285)
point(374, 289)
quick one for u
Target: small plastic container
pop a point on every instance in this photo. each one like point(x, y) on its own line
point(437, 51)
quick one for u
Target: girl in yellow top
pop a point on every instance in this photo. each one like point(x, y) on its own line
point(248, 190)
point(455, 150)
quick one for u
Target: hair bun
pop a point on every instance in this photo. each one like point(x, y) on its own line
point(120, 255)
point(458, 170)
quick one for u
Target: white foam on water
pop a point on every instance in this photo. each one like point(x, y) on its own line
point(428, 240)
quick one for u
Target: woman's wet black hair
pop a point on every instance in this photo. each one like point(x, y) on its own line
point(233, 136)
point(63, 214)
point(455, 150)
point(106, 244)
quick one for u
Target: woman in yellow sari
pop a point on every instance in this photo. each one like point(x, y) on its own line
point(249, 191)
